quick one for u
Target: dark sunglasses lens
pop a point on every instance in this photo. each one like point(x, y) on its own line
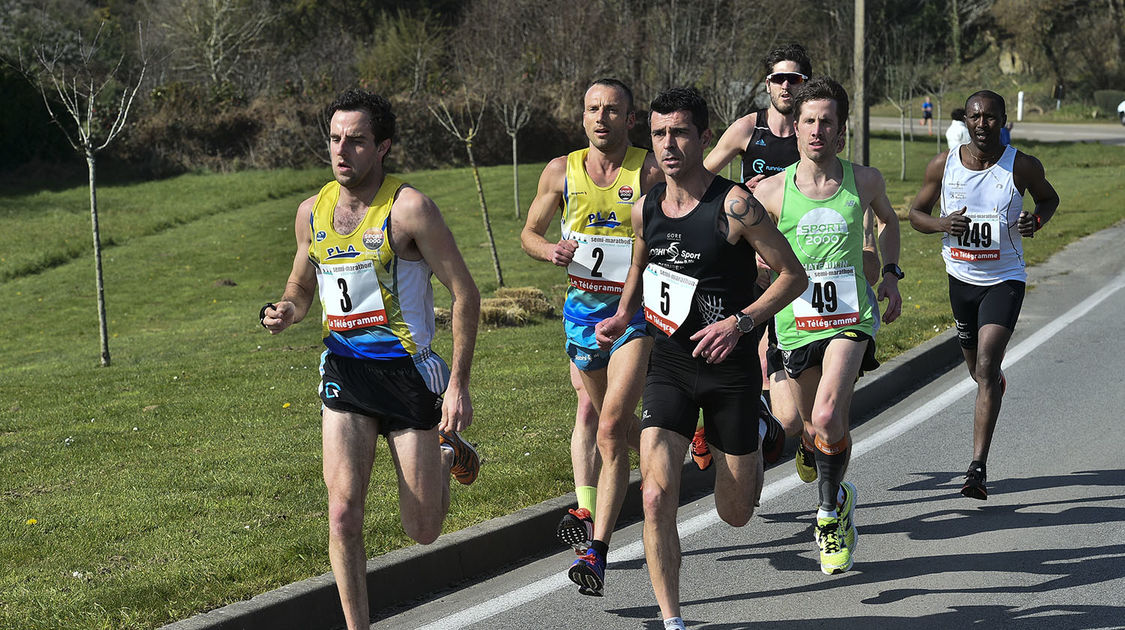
point(792, 77)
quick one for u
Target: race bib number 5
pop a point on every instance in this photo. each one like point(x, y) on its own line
point(830, 301)
point(981, 241)
point(351, 296)
point(601, 263)
point(667, 297)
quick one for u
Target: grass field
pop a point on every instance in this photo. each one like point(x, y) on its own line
point(187, 475)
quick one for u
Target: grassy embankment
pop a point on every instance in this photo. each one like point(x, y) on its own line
point(187, 475)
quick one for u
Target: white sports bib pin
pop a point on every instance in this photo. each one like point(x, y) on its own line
point(981, 240)
point(601, 263)
point(830, 301)
point(351, 295)
point(667, 297)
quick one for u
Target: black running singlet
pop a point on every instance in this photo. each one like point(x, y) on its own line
point(694, 248)
point(766, 153)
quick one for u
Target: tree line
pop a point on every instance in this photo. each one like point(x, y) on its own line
point(240, 83)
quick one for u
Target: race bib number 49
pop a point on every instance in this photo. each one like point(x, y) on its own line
point(981, 240)
point(667, 297)
point(601, 263)
point(351, 296)
point(830, 301)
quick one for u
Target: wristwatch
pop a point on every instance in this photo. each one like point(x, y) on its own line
point(894, 270)
point(743, 322)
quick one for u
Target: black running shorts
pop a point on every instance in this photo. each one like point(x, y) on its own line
point(679, 386)
point(392, 391)
point(812, 354)
point(975, 305)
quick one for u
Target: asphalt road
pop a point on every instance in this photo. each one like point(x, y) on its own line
point(1045, 132)
point(1044, 552)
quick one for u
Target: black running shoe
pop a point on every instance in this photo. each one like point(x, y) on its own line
point(576, 529)
point(974, 484)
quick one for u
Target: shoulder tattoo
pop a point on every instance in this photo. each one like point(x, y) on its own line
point(746, 211)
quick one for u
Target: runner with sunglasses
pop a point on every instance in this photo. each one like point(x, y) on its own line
point(767, 143)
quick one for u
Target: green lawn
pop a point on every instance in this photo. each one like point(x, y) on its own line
point(187, 475)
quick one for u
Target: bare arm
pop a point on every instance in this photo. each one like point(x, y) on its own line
point(548, 200)
point(873, 187)
point(871, 264)
point(922, 208)
point(747, 220)
point(420, 220)
point(730, 144)
point(651, 174)
point(301, 285)
point(1029, 173)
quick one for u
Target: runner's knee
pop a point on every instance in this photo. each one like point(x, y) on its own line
point(345, 518)
point(657, 499)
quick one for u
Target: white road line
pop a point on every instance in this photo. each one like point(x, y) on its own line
point(635, 550)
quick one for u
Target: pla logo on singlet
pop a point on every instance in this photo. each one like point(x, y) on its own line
point(373, 239)
point(820, 232)
point(625, 193)
point(321, 235)
point(340, 252)
point(596, 220)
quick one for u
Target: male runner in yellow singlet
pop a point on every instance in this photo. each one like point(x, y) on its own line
point(371, 243)
point(595, 188)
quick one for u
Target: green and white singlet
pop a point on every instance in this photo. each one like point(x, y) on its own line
point(827, 237)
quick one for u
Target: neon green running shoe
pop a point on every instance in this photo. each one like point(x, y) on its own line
point(847, 515)
point(806, 463)
point(835, 556)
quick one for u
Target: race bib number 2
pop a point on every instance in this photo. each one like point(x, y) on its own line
point(667, 297)
point(830, 301)
point(601, 263)
point(352, 297)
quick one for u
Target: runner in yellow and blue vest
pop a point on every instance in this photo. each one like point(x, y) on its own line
point(594, 188)
point(371, 244)
point(825, 335)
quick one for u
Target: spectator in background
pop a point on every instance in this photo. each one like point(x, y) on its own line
point(958, 133)
point(928, 115)
point(1005, 134)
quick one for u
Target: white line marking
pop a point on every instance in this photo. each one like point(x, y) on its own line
point(635, 550)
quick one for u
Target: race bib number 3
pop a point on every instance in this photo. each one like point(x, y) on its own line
point(667, 297)
point(351, 296)
point(981, 241)
point(601, 263)
point(830, 301)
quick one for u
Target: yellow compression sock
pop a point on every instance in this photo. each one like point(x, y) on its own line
point(587, 498)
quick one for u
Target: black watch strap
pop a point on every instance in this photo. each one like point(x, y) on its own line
point(894, 270)
point(262, 313)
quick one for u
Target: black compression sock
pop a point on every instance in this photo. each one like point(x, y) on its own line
point(599, 546)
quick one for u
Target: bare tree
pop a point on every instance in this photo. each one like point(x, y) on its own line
point(901, 70)
point(732, 79)
point(75, 81)
point(506, 75)
point(406, 52)
point(464, 127)
point(214, 39)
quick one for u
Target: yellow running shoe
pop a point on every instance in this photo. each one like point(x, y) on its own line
point(835, 556)
point(847, 515)
point(806, 463)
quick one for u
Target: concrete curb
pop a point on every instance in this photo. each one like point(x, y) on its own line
point(408, 574)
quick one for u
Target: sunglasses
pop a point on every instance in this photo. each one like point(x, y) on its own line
point(794, 78)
